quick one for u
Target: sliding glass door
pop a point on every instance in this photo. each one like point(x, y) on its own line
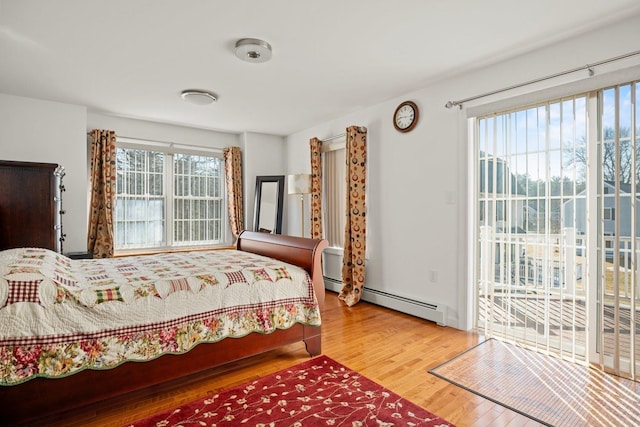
point(617, 308)
point(531, 227)
point(556, 206)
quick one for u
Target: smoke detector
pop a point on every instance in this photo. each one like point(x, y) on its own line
point(253, 50)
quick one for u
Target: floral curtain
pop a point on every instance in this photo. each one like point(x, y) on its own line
point(316, 188)
point(353, 259)
point(103, 189)
point(233, 178)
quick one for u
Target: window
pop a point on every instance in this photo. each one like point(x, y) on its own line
point(610, 213)
point(168, 199)
point(334, 189)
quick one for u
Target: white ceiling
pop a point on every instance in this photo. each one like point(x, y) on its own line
point(132, 58)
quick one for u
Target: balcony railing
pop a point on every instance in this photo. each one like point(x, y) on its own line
point(554, 263)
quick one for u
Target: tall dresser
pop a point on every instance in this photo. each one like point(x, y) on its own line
point(31, 205)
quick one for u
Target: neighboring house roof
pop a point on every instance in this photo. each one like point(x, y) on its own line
point(610, 188)
point(623, 186)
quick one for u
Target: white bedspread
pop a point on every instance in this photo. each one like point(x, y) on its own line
point(59, 316)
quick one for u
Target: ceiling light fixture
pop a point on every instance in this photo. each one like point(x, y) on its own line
point(253, 50)
point(198, 97)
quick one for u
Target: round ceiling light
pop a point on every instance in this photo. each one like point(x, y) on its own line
point(253, 50)
point(198, 97)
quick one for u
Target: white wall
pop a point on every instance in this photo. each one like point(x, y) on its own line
point(417, 242)
point(298, 160)
point(263, 155)
point(154, 131)
point(49, 132)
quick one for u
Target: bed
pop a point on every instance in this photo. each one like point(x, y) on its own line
point(186, 339)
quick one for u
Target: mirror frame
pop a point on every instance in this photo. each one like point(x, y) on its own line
point(279, 179)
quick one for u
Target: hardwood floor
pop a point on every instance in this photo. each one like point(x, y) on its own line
point(391, 348)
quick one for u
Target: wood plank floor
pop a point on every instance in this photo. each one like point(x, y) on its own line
point(391, 348)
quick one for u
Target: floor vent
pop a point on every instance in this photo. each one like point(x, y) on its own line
point(429, 311)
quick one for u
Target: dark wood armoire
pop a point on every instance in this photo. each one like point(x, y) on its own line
point(30, 205)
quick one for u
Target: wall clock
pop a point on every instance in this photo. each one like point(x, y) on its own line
point(406, 116)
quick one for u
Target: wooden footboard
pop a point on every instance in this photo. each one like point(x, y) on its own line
point(41, 397)
point(305, 253)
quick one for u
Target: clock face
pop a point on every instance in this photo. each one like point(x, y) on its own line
point(406, 116)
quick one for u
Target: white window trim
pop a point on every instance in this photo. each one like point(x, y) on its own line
point(168, 147)
point(171, 148)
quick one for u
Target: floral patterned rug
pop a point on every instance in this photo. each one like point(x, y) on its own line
point(318, 392)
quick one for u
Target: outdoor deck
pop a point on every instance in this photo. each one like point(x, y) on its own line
point(526, 315)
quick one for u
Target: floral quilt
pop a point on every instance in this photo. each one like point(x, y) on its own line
point(59, 316)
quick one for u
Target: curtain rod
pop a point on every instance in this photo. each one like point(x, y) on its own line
point(588, 67)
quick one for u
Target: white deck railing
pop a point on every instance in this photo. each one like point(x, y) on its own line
point(553, 263)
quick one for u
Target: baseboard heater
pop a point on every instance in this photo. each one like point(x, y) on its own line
point(429, 311)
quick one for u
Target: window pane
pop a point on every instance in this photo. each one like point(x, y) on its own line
point(197, 195)
point(139, 214)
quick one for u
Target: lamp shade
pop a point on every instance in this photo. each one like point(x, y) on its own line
point(299, 183)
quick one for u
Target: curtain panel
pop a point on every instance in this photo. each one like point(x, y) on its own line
point(353, 259)
point(233, 179)
point(100, 239)
point(316, 188)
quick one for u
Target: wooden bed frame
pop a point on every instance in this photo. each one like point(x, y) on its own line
point(41, 397)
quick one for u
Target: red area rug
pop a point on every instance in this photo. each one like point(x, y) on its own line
point(318, 392)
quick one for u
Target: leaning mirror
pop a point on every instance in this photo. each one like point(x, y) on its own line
point(267, 214)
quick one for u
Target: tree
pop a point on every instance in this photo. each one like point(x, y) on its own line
point(609, 160)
